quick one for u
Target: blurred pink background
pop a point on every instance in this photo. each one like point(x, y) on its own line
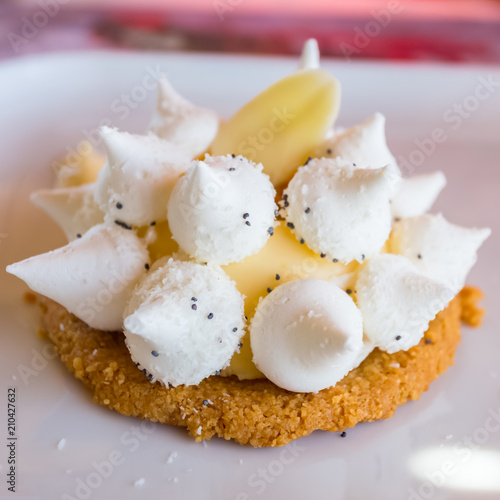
point(442, 30)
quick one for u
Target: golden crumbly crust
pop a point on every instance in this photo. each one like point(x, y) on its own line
point(257, 412)
point(471, 313)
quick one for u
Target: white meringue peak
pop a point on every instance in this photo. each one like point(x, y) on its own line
point(438, 249)
point(309, 58)
point(306, 335)
point(338, 210)
point(184, 321)
point(364, 146)
point(140, 172)
point(397, 302)
point(222, 210)
point(177, 120)
point(416, 195)
point(73, 208)
point(92, 276)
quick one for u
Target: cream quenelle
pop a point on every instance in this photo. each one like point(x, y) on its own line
point(339, 211)
point(222, 210)
point(438, 249)
point(306, 335)
point(73, 208)
point(140, 171)
point(397, 302)
point(177, 120)
point(92, 276)
point(184, 321)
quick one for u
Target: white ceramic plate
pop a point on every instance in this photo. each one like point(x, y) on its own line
point(47, 102)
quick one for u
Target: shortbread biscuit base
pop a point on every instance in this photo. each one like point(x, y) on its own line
point(257, 412)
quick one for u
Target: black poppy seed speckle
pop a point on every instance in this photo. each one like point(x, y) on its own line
point(328, 151)
point(308, 160)
point(290, 225)
point(362, 256)
point(235, 329)
point(269, 289)
point(397, 219)
point(286, 204)
point(119, 206)
point(205, 402)
point(153, 223)
point(270, 230)
point(246, 215)
point(150, 376)
point(154, 353)
point(398, 337)
point(428, 341)
point(348, 291)
point(335, 260)
point(210, 316)
point(78, 235)
point(302, 241)
point(322, 255)
point(353, 164)
point(194, 299)
point(194, 307)
point(233, 155)
point(246, 319)
point(248, 223)
point(144, 371)
point(343, 434)
point(217, 372)
point(146, 266)
point(240, 345)
point(307, 210)
point(419, 255)
point(122, 224)
point(277, 212)
point(232, 169)
point(278, 277)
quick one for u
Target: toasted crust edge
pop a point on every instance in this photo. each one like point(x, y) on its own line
point(257, 412)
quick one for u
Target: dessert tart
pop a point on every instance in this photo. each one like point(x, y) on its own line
point(257, 278)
